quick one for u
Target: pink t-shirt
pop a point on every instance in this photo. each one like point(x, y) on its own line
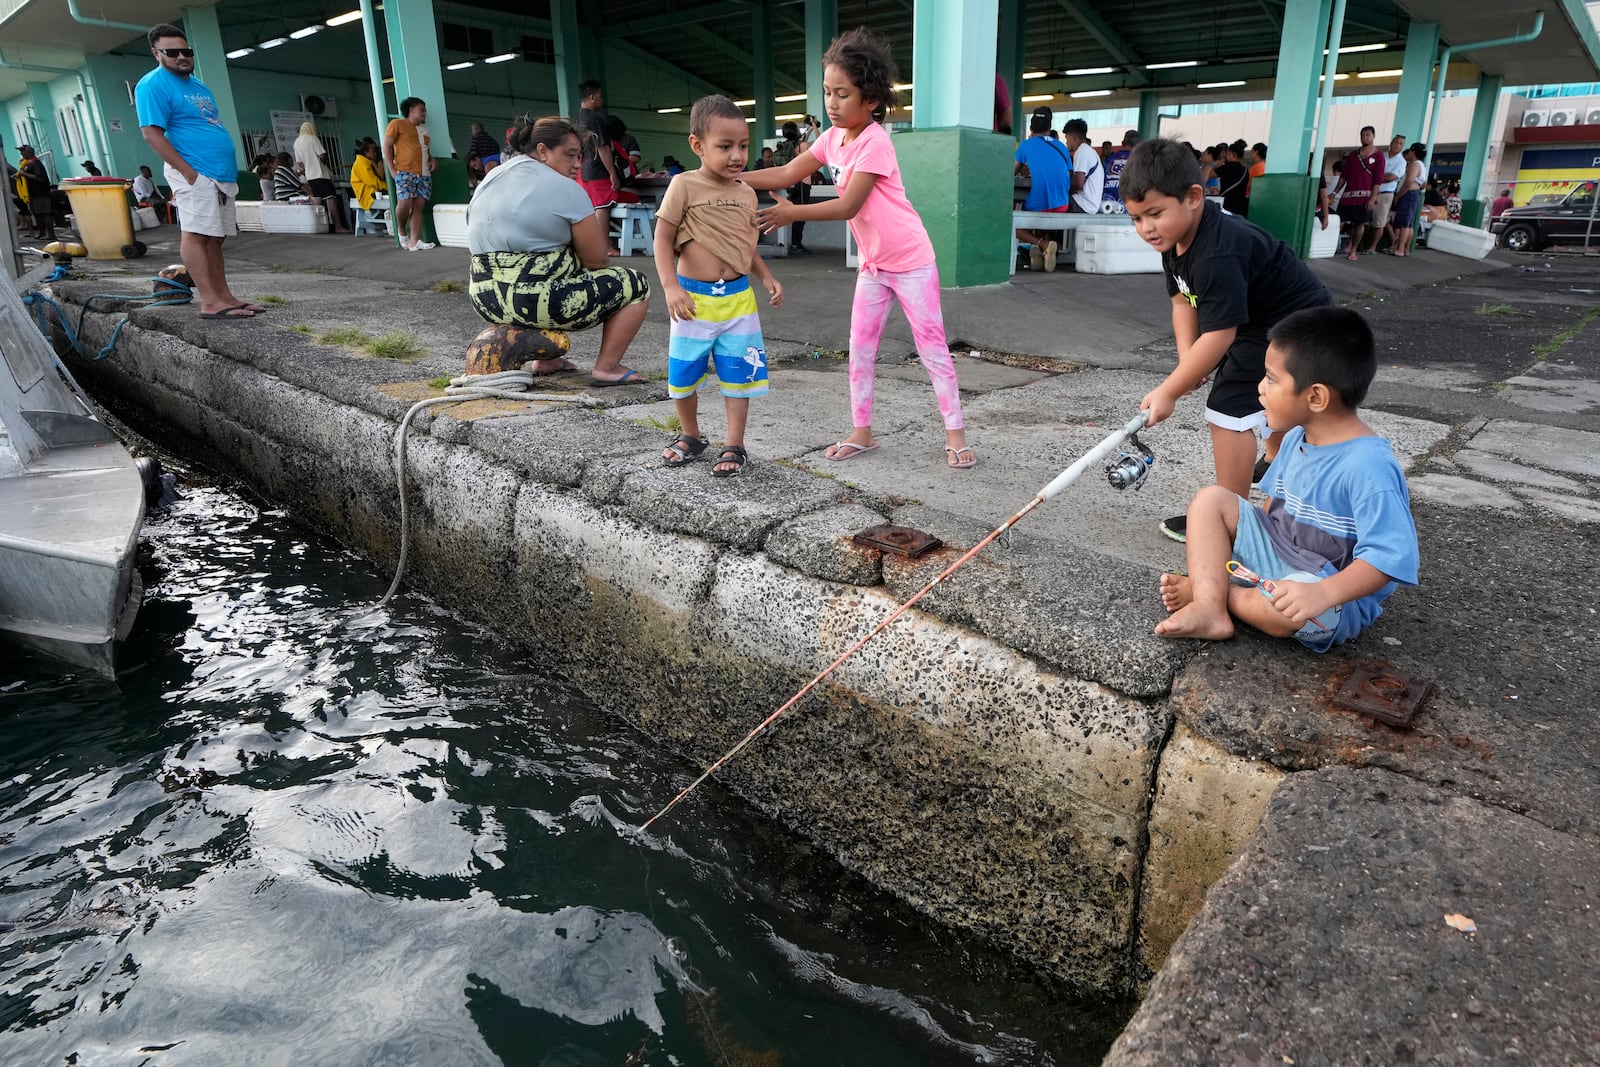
point(887, 229)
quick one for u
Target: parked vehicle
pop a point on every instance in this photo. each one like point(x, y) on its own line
point(1568, 220)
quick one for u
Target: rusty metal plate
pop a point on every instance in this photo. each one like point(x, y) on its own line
point(901, 540)
point(1384, 692)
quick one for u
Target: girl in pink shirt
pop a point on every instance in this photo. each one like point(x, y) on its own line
point(896, 255)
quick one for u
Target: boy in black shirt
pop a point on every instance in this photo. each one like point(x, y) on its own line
point(1230, 282)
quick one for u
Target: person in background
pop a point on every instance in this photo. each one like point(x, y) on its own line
point(794, 145)
point(94, 171)
point(480, 144)
point(599, 174)
point(1106, 148)
point(366, 175)
point(262, 167)
point(1501, 203)
point(1363, 173)
point(311, 159)
point(625, 144)
point(1088, 176)
point(1452, 201)
point(1382, 206)
point(1114, 165)
point(1002, 105)
point(36, 192)
point(1408, 198)
point(411, 165)
point(671, 165)
point(287, 182)
point(144, 188)
point(765, 161)
point(1210, 159)
point(1232, 181)
point(1049, 169)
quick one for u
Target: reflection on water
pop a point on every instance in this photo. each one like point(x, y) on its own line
point(285, 840)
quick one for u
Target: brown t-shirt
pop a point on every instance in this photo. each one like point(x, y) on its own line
point(720, 215)
point(407, 146)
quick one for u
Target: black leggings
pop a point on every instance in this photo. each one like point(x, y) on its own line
point(800, 193)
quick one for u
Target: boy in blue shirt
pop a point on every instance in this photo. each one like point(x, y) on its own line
point(1335, 537)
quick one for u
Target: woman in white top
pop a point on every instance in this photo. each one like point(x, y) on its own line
point(311, 158)
point(1408, 197)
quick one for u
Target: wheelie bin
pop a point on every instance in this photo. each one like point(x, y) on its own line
point(101, 215)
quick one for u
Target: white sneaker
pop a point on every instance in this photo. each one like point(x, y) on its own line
point(1035, 258)
point(423, 246)
point(1050, 251)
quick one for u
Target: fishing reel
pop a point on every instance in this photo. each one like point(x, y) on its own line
point(1132, 465)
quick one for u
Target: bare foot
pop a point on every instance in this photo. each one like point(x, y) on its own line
point(1177, 591)
point(1192, 620)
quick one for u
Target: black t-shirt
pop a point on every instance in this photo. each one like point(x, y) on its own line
point(1235, 186)
point(1237, 274)
point(593, 121)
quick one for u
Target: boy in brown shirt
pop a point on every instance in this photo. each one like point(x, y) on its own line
point(707, 224)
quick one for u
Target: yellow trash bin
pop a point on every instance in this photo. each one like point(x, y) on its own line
point(104, 222)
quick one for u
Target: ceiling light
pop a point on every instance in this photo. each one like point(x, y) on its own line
point(306, 31)
point(348, 16)
point(501, 58)
point(1336, 77)
point(784, 118)
point(240, 53)
point(668, 110)
point(1038, 99)
point(1347, 49)
point(1032, 74)
point(744, 103)
point(1091, 92)
point(1218, 85)
point(1170, 66)
point(789, 99)
point(275, 42)
point(902, 87)
point(1073, 73)
point(389, 80)
point(459, 66)
point(1380, 73)
point(750, 120)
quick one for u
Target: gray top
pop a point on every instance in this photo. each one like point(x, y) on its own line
point(525, 207)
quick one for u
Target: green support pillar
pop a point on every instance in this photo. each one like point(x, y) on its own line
point(564, 28)
point(1416, 79)
point(44, 130)
point(1472, 207)
point(211, 66)
point(1008, 61)
point(822, 26)
point(1283, 200)
point(1149, 114)
point(953, 51)
point(761, 52)
point(414, 46)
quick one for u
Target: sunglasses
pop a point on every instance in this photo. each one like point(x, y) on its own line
point(174, 53)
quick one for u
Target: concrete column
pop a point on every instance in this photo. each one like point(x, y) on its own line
point(1483, 111)
point(1283, 199)
point(414, 47)
point(822, 26)
point(953, 62)
point(1149, 114)
point(1411, 109)
point(1008, 61)
point(44, 135)
point(211, 67)
point(569, 54)
point(761, 52)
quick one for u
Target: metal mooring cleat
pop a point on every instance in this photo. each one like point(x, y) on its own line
point(901, 540)
point(1383, 692)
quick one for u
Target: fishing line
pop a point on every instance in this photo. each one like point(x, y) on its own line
point(1060, 482)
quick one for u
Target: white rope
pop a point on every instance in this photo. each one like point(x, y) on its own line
point(506, 385)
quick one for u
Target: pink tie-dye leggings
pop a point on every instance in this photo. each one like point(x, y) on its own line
point(918, 292)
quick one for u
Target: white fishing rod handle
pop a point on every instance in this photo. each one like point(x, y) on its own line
point(1094, 455)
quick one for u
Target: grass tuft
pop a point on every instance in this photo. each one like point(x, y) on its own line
point(1496, 309)
point(396, 344)
point(655, 422)
point(449, 287)
point(439, 383)
point(1548, 349)
point(271, 298)
point(299, 327)
point(348, 336)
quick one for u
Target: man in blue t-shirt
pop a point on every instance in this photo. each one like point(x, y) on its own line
point(1050, 168)
point(178, 117)
point(1114, 164)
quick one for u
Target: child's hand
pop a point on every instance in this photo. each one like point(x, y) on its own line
point(1157, 405)
point(1299, 602)
point(680, 305)
point(774, 289)
point(776, 216)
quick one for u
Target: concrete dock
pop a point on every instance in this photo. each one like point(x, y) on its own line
point(1021, 756)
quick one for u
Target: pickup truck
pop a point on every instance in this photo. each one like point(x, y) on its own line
point(1564, 221)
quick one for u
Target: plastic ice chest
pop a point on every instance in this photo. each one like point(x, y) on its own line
point(450, 224)
point(1459, 240)
point(281, 217)
point(1324, 243)
point(1115, 250)
point(249, 212)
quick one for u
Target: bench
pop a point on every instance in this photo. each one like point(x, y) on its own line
point(637, 232)
point(374, 221)
point(1067, 222)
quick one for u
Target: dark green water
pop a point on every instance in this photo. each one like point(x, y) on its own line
point(285, 841)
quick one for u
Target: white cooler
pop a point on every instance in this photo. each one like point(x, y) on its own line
point(145, 218)
point(281, 217)
point(1459, 240)
point(1114, 250)
point(249, 212)
point(450, 224)
point(1324, 243)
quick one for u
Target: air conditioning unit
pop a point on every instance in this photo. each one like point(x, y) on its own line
point(1564, 116)
point(1592, 117)
point(1536, 118)
point(320, 107)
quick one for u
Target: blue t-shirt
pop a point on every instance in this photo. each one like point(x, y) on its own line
point(186, 110)
point(1114, 165)
point(1050, 167)
point(1330, 505)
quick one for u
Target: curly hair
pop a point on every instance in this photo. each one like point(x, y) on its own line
point(528, 133)
point(865, 59)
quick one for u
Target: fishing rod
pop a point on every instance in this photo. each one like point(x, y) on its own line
point(1128, 471)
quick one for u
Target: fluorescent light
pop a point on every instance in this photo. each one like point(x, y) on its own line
point(275, 42)
point(1091, 92)
point(1380, 73)
point(1218, 85)
point(503, 57)
point(744, 103)
point(459, 66)
point(1347, 49)
point(750, 120)
point(1074, 72)
point(902, 87)
point(1170, 66)
point(240, 53)
point(1336, 77)
point(1028, 76)
point(1038, 99)
point(348, 16)
point(789, 99)
point(306, 31)
point(786, 118)
point(389, 80)
point(668, 110)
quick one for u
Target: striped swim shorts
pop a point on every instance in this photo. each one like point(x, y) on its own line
point(725, 332)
